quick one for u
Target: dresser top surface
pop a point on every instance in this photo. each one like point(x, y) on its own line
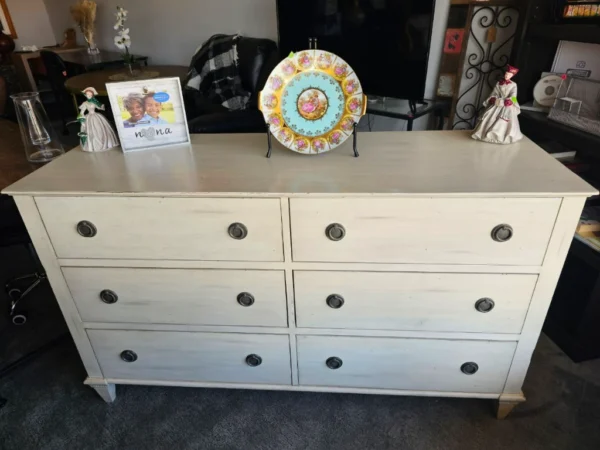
point(418, 163)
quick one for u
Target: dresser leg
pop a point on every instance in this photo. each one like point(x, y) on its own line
point(107, 391)
point(506, 404)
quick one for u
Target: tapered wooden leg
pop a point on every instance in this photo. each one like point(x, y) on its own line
point(107, 391)
point(506, 404)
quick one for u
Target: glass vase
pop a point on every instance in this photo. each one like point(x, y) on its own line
point(39, 139)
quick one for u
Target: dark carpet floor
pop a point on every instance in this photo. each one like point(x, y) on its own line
point(49, 408)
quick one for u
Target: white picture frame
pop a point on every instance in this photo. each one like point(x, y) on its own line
point(149, 114)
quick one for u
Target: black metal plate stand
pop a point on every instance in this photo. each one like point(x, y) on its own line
point(354, 141)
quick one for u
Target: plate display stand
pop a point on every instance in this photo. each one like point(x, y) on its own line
point(354, 140)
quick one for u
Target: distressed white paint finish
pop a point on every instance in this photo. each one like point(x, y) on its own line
point(434, 230)
point(179, 296)
point(47, 256)
point(412, 364)
point(216, 357)
point(106, 391)
point(164, 228)
point(419, 163)
point(562, 237)
point(413, 301)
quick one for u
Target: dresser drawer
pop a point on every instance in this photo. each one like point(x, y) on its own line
point(164, 228)
point(179, 296)
point(413, 301)
point(201, 357)
point(407, 364)
point(422, 230)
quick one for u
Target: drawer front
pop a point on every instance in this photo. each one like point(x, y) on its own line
point(423, 230)
point(413, 301)
point(164, 228)
point(201, 357)
point(407, 364)
point(179, 296)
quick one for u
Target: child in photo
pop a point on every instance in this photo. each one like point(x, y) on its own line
point(134, 104)
point(153, 110)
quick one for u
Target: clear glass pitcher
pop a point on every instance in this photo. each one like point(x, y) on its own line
point(40, 140)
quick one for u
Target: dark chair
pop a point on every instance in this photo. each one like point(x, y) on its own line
point(57, 74)
point(256, 59)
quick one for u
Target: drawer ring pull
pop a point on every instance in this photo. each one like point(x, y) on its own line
point(484, 305)
point(253, 360)
point(109, 297)
point(129, 356)
point(502, 233)
point(86, 229)
point(334, 363)
point(335, 301)
point(237, 231)
point(469, 368)
point(335, 232)
point(245, 299)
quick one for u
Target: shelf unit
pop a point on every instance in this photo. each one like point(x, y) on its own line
point(575, 311)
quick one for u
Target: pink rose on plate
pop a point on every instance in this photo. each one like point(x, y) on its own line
point(354, 104)
point(288, 68)
point(340, 70)
point(304, 60)
point(276, 83)
point(301, 144)
point(335, 137)
point(319, 144)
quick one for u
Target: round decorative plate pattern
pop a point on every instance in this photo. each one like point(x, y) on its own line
point(311, 101)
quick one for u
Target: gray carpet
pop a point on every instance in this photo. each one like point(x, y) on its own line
point(49, 408)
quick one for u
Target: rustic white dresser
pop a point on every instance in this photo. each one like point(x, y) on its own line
point(423, 267)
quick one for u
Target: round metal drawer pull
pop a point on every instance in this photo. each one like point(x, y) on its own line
point(253, 360)
point(502, 233)
point(484, 305)
point(237, 231)
point(86, 229)
point(334, 362)
point(129, 356)
point(108, 296)
point(335, 232)
point(245, 299)
point(469, 368)
point(335, 301)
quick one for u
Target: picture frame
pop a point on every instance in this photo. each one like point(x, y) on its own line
point(149, 113)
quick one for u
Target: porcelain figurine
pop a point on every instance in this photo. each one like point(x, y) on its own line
point(499, 123)
point(95, 134)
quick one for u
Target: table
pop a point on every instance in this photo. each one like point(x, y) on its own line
point(21, 61)
point(99, 78)
point(398, 109)
point(13, 163)
point(87, 61)
point(221, 268)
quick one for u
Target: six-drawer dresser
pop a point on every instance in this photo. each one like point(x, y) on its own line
point(423, 267)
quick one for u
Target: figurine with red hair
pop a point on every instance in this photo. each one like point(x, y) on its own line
point(499, 123)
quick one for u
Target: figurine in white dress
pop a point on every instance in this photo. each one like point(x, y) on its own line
point(499, 123)
point(96, 134)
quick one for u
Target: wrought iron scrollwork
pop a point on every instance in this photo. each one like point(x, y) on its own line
point(485, 65)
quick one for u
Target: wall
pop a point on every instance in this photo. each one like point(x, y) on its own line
point(169, 31)
point(30, 18)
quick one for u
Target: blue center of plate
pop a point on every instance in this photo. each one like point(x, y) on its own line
point(312, 103)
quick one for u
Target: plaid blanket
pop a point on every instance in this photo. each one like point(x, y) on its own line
point(215, 75)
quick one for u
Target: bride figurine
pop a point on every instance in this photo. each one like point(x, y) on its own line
point(499, 123)
point(95, 134)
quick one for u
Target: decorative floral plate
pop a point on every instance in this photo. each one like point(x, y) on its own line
point(311, 101)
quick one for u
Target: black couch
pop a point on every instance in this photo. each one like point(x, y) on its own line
point(257, 58)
